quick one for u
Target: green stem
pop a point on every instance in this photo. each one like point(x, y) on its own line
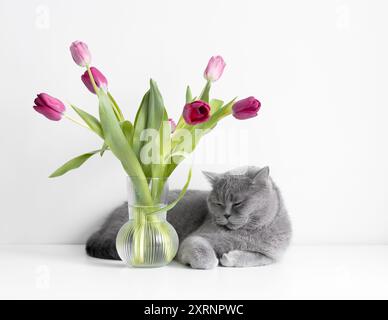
point(92, 79)
point(75, 121)
point(141, 183)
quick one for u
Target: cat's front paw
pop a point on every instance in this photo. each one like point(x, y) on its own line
point(230, 259)
point(198, 254)
point(203, 262)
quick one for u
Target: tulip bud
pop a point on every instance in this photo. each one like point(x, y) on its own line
point(98, 77)
point(172, 124)
point(214, 69)
point(49, 106)
point(80, 53)
point(246, 108)
point(196, 112)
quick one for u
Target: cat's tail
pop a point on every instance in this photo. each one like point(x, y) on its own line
point(102, 246)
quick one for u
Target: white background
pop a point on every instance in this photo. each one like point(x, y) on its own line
point(319, 68)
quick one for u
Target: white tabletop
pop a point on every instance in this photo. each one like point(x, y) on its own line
point(65, 272)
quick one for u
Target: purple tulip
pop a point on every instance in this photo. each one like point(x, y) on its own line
point(214, 69)
point(49, 106)
point(98, 77)
point(80, 53)
point(196, 112)
point(246, 108)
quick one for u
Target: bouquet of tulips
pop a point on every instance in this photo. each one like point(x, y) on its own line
point(151, 146)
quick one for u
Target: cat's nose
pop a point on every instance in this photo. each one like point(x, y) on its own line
point(227, 215)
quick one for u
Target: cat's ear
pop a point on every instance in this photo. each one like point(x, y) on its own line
point(262, 175)
point(212, 176)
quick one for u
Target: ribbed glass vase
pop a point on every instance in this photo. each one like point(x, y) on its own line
point(147, 239)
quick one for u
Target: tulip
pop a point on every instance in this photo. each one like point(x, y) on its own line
point(172, 124)
point(246, 108)
point(196, 112)
point(98, 77)
point(49, 106)
point(80, 53)
point(214, 69)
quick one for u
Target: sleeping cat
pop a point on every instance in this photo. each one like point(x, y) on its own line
point(241, 222)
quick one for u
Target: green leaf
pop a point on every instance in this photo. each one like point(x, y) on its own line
point(156, 110)
point(90, 120)
point(140, 123)
point(217, 116)
point(189, 96)
point(150, 115)
point(157, 117)
point(114, 136)
point(73, 164)
point(116, 108)
point(205, 92)
point(215, 105)
point(103, 149)
point(180, 124)
point(164, 147)
point(127, 128)
point(118, 144)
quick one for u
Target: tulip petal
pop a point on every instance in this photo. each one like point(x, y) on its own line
point(246, 108)
point(38, 101)
point(48, 113)
point(51, 102)
point(196, 112)
point(99, 78)
point(80, 53)
point(88, 84)
point(215, 68)
point(245, 115)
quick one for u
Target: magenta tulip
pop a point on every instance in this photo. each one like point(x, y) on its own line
point(246, 108)
point(196, 112)
point(98, 77)
point(215, 68)
point(172, 124)
point(80, 53)
point(49, 106)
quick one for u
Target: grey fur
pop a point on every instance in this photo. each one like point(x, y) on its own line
point(242, 222)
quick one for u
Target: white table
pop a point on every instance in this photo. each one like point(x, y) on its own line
point(65, 272)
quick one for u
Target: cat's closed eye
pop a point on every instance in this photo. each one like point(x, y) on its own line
point(236, 204)
point(218, 204)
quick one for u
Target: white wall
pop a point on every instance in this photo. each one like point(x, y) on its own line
point(319, 67)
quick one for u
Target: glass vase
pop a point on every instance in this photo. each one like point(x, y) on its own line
point(147, 239)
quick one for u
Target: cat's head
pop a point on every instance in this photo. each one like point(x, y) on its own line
point(236, 199)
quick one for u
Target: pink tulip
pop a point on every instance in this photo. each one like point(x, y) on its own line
point(196, 112)
point(80, 53)
point(172, 124)
point(246, 108)
point(98, 77)
point(214, 69)
point(49, 106)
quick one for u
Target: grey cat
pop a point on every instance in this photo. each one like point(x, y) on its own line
point(241, 222)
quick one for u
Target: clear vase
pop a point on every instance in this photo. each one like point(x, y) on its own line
point(147, 239)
